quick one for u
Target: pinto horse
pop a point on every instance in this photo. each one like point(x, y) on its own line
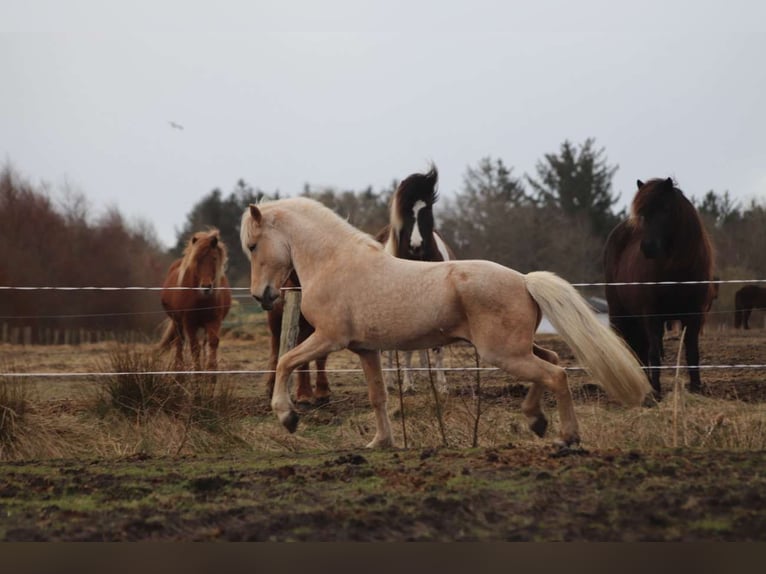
point(745, 300)
point(411, 234)
point(360, 298)
point(304, 394)
point(662, 240)
point(204, 301)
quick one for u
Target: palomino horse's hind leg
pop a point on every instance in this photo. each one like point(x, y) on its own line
point(531, 406)
point(378, 399)
point(544, 375)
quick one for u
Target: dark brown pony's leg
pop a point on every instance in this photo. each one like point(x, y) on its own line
point(746, 317)
point(655, 331)
point(691, 343)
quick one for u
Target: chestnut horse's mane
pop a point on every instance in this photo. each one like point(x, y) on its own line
point(197, 245)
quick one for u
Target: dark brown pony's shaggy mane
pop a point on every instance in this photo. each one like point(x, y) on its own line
point(689, 230)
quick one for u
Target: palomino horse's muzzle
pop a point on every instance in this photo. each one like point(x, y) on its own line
point(267, 298)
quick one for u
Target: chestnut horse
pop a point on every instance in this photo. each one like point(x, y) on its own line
point(411, 234)
point(663, 240)
point(203, 301)
point(360, 298)
point(745, 300)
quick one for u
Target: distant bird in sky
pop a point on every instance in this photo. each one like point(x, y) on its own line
point(176, 126)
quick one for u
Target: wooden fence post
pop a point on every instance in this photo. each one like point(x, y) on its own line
point(290, 324)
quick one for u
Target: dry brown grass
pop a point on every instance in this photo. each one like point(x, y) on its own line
point(75, 418)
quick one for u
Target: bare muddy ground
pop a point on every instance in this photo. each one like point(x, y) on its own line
point(510, 492)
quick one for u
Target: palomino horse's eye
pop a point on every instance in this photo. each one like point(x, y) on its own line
point(252, 247)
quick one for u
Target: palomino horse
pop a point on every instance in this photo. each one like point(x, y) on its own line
point(360, 298)
point(203, 302)
point(304, 395)
point(663, 240)
point(745, 300)
point(411, 234)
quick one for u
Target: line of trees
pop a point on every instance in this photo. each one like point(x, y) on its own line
point(49, 244)
point(556, 219)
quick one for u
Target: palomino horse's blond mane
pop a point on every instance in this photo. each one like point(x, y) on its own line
point(198, 243)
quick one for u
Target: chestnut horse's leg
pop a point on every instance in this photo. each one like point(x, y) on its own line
point(179, 358)
point(213, 340)
point(191, 333)
point(376, 389)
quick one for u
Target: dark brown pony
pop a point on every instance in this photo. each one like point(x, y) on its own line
point(304, 394)
point(745, 300)
point(203, 303)
point(663, 240)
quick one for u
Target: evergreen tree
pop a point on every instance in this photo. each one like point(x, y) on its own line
point(579, 181)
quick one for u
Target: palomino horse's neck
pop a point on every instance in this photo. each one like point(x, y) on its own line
point(314, 241)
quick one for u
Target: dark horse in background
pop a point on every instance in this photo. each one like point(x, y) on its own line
point(411, 234)
point(663, 240)
point(745, 300)
point(304, 394)
point(202, 304)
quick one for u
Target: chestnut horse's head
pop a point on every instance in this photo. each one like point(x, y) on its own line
point(269, 255)
point(204, 261)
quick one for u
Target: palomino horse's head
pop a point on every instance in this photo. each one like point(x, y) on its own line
point(412, 218)
point(269, 254)
point(204, 261)
point(658, 212)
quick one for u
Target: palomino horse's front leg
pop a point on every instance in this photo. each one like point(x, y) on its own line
point(378, 398)
point(313, 347)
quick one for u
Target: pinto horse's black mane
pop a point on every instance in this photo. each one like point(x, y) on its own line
point(411, 206)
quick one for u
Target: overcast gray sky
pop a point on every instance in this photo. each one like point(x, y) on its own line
point(356, 93)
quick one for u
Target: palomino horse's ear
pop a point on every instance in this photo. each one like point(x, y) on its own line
point(639, 183)
point(255, 213)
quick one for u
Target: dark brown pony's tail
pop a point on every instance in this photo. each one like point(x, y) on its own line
point(169, 335)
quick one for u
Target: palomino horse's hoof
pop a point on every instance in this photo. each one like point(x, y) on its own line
point(540, 426)
point(290, 422)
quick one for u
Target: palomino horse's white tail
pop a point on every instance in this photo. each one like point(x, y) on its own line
point(597, 348)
